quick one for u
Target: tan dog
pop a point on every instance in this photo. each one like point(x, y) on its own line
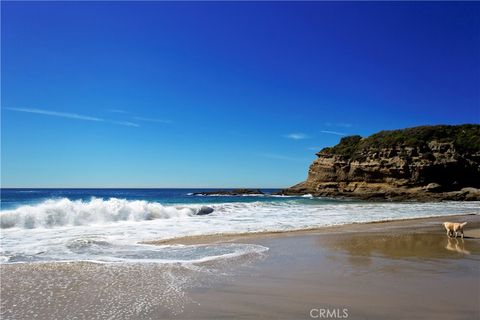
point(454, 227)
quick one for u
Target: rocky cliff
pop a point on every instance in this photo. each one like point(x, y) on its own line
point(420, 163)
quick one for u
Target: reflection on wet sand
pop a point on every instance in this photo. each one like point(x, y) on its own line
point(456, 245)
point(401, 246)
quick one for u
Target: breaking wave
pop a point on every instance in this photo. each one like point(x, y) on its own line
point(65, 212)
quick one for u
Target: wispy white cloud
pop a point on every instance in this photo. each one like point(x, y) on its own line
point(333, 132)
point(297, 136)
point(118, 111)
point(56, 114)
point(153, 120)
point(281, 157)
point(69, 115)
point(138, 118)
point(125, 123)
point(338, 124)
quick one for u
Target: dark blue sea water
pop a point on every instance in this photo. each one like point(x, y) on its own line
point(12, 198)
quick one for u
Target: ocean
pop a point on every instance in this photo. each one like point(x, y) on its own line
point(108, 225)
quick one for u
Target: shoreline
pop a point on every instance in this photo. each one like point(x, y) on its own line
point(395, 270)
point(349, 227)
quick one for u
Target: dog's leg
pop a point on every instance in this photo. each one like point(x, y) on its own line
point(462, 234)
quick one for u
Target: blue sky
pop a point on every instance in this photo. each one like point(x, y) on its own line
point(212, 94)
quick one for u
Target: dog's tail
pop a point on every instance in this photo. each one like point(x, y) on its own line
point(463, 224)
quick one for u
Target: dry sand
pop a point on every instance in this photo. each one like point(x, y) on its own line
point(394, 270)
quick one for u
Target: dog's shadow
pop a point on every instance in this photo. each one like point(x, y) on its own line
point(456, 245)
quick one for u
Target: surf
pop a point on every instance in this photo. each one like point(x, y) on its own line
point(65, 212)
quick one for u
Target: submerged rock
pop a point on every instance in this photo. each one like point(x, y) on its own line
point(205, 210)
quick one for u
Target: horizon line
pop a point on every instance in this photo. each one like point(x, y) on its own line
point(143, 187)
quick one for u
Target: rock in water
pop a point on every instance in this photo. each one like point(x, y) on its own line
point(420, 163)
point(235, 192)
point(433, 187)
point(205, 210)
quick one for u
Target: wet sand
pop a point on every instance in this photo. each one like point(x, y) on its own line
point(345, 228)
point(394, 270)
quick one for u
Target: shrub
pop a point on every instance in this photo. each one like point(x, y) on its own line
point(466, 138)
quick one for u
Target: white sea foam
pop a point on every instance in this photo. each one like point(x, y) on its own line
point(110, 230)
point(100, 251)
point(65, 212)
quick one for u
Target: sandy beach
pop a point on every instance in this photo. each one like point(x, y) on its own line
point(391, 270)
point(201, 160)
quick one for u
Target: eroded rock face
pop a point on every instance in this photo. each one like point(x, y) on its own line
point(421, 163)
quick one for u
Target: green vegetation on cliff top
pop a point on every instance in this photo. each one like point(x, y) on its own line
point(465, 138)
